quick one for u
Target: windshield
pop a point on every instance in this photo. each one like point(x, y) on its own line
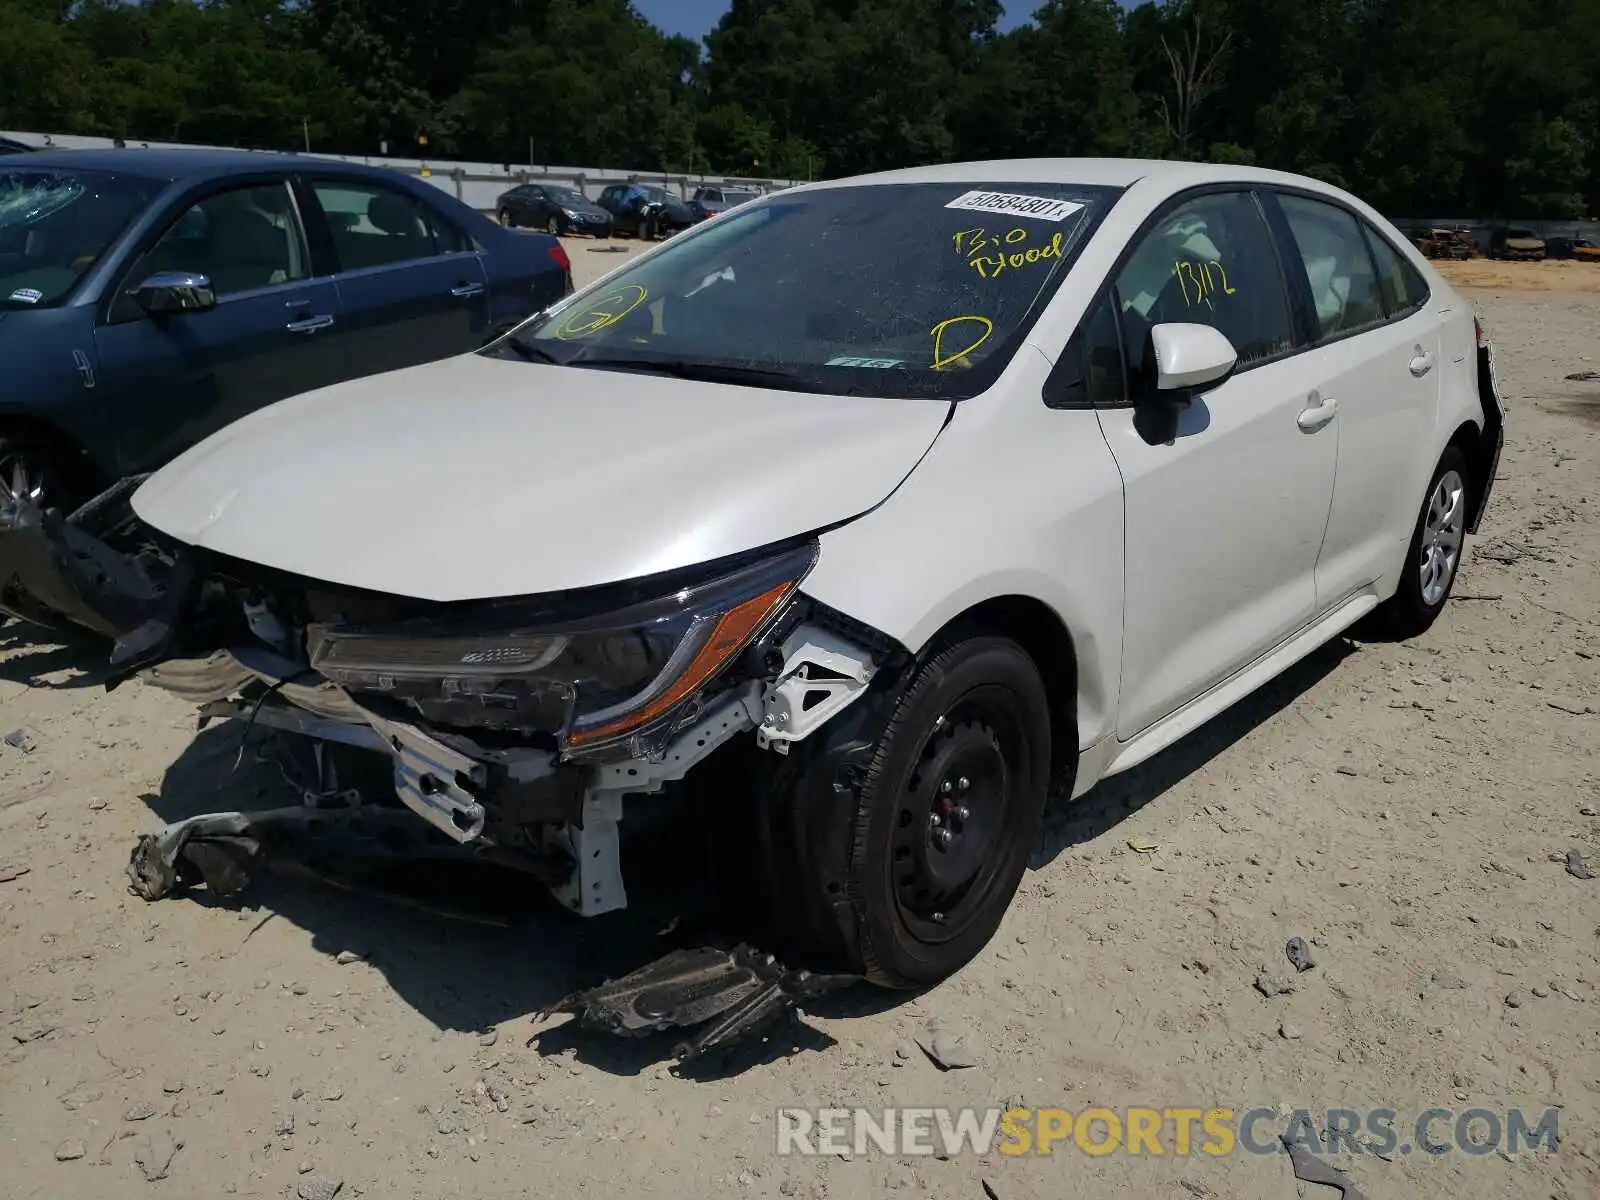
point(887, 289)
point(54, 225)
point(565, 195)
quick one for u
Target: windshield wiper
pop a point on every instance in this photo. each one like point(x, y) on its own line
point(531, 352)
point(705, 372)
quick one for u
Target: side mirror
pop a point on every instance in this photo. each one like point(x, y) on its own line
point(1184, 358)
point(1190, 356)
point(168, 292)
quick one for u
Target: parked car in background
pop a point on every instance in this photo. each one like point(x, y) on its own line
point(1516, 243)
point(645, 210)
point(709, 201)
point(150, 297)
point(12, 146)
point(1132, 439)
point(555, 208)
point(1441, 242)
point(1572, 247)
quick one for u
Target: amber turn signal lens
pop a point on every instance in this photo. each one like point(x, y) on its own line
point(729, 635)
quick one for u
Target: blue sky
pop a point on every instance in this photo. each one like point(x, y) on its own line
point(697, 17)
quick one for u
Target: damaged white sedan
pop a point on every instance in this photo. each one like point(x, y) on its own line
point(918, 495)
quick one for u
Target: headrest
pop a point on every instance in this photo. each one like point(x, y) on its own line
point(393, 214)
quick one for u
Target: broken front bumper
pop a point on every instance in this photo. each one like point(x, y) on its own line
point(64, 573)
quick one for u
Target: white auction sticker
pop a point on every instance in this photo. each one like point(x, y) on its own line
point(1042, 207)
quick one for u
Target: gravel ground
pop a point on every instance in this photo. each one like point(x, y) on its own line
point(1406, 809)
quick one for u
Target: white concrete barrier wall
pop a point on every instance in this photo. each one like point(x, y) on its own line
point(475, 183)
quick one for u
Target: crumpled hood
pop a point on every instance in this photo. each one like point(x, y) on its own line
point(478, 477)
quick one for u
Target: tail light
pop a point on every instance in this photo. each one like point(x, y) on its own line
point(558, 254)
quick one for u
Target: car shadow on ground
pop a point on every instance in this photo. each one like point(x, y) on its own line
point(467, 976)
point(32, 652)
point(1113, 800)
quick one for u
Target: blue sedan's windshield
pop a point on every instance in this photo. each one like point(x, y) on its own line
point(55, 224)
point(921, 289)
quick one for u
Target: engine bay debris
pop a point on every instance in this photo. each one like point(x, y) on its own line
point(728, 994)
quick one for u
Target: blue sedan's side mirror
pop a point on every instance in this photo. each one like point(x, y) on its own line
point(168, 292)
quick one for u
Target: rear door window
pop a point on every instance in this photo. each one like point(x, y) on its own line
point(376, 226)
point(1337, 263)
point(1399, 283)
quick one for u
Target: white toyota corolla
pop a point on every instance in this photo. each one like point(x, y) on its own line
point(916, 497)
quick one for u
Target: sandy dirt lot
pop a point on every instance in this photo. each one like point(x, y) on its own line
point(593, 257)
point(1406, 809)
point(1559, 277)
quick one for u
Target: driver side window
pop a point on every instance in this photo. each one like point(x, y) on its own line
point(1209, 261)
point(243, 239)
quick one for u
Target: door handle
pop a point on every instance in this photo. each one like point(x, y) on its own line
point(466, 289)
point(1422, 363)
point(1319, 410)
point(309, 324)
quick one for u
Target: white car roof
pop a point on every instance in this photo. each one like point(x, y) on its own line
point(1112, 172)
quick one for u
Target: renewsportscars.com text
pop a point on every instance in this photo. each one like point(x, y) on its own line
point(1178, 1132)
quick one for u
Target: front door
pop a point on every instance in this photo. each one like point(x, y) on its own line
point(1223, 522)
point(413, 288)
point(169, 381)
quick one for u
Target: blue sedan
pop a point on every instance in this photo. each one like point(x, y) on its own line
point(150, 297)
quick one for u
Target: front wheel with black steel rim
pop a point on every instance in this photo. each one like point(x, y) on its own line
point(1434, 555)
point(905, 876)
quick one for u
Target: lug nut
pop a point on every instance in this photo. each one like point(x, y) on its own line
point(945, 787)
point(933, 819)
point(963, 783)
point(942, 837)
point(963, 813)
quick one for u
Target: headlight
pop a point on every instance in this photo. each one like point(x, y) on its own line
point(596, 682)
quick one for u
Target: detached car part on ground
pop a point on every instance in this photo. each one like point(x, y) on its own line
point(907, 498)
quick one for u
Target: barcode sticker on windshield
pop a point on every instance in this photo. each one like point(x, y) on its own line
point(27, 296)
point(1041, 207)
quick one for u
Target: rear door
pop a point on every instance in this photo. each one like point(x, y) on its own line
point(413, 286)
point(1378, 344)
point(166, 382)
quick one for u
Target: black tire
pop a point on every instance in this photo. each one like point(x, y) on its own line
point(857, 875)
point(1413, 607)
point(553, 227)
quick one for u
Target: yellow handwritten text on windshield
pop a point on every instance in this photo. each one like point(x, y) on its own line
point(992, 254)
point(955, 338)
point(1202, 281)
point(602, 313)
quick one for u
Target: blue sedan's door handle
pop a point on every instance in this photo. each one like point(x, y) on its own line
point(309, 324)
point(467, 289)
